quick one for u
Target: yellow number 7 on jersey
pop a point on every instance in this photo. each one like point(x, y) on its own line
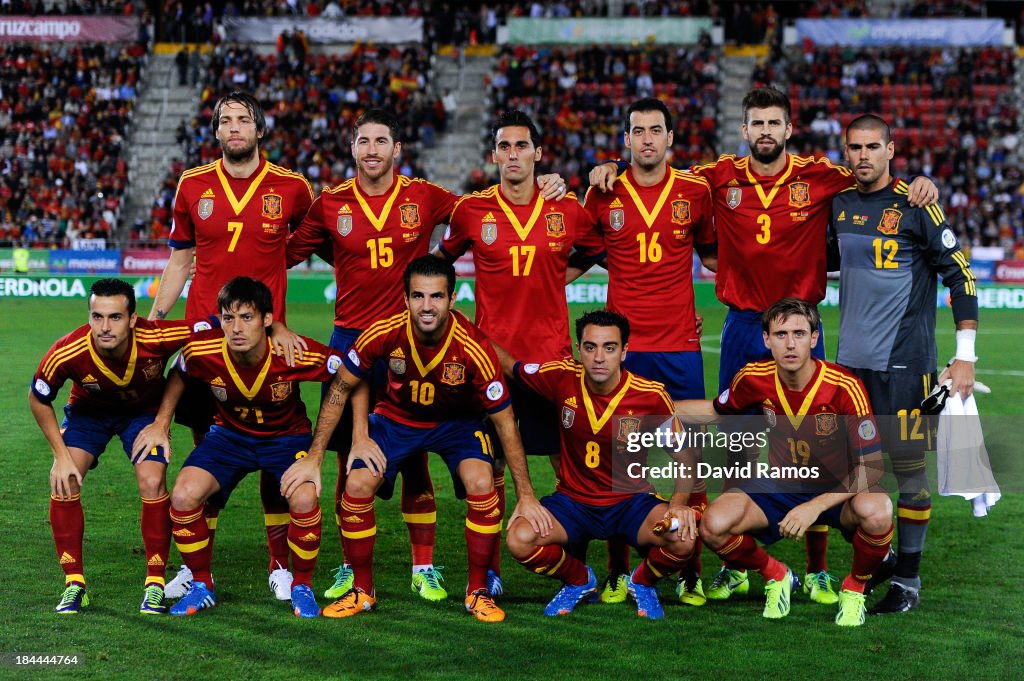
point(235, 228)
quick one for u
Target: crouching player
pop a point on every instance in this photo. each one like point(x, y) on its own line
point(116, 365)
point(819, 418)
point(588, 503)
point(443, 375)
point(260, 425)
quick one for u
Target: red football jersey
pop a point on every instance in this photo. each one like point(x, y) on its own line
point(459, 378)
point(593, 440)
point(263, 400)
point(521, 255)
point(828, 424)
point(239, 227)
point(374, 238)
point(135, 381)
point(649, 234)
point(771, 230)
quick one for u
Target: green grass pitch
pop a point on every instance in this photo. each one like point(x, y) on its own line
point(970, 618)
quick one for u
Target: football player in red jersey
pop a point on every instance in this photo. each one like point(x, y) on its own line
point(824, 446)
point(592, 500)
point(443, 377)
point(116, 365)
point(232, 217)
point(260, 424)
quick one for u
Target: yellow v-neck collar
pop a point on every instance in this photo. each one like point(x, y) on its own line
point(796, 418)
point(129, 371)
point(229, 362)
point(375, 220)
point(238, 205)
point(426, 369)
point(766, 199)
point(522, 230)
point(649, 217)
point(598, 422)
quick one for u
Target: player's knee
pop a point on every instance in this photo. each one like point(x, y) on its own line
point(151, 485)
point(874, 511)
point(185, 497)
point(478, 484)
point(303, 500)
point(361, 483)
point(521, 539)
point(715, 526)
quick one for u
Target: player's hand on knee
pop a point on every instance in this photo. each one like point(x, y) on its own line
point(688, 519)
point(922, 192)
point(796, 522)
point(552, 187)
point(306, 469)
point(533, 512)
point(603, 176)
point(370, 453)
point(61, 474)
point(287, 343)
point(148, 439)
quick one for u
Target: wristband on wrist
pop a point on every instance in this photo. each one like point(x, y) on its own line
point(965, 345)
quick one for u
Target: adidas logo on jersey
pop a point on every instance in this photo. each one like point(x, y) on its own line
point(734, 182)
point(156, 560)
point(571, 402)
point(353, 519)
point(208, 194)
point(842, 216)
point(89, 378)
point(344, 210)
point(397, 352)
point(66, 558)
point(217, 381)
point(489, 217)
point(616, 203)
point(312, 536)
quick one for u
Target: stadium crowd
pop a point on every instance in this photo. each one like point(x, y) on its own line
point(65, 112)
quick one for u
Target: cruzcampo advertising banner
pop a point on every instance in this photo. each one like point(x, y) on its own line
point(901, 32)
point(55, 29)
point(617, 31)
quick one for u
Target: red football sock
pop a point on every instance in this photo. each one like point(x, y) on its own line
point(660, 561)
point(742, 553)
point(276, 519)
point(618, 555)
point(211, 513)
point(358, 535)
point(869, 550)
point(499, 489)
point(156, 536)
point(553, 561)
point(483, 529)
point(304, 531)
point(816, 544)
point(67, 520)
point(419, 509)
point(192, 537)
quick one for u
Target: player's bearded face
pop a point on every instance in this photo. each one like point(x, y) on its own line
point(374, 150)
point(766, 132)
point(648, 138)
point(111, 324)
point(515, 154)
point(245, 329)
point(602, 353)
point(429, 306)
point(236, 133)
point(790, 341)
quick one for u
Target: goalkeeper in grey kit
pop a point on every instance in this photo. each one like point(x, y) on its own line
point(891, 255)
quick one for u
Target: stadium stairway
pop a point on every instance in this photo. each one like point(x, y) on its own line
point(161, 106)
point(736, 70)
point(458, 150)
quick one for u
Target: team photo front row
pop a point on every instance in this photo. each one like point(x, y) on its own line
point(441, 385)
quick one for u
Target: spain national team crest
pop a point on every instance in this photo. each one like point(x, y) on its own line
point(454, 373)
point(825, 424)
point(733, 197)
point(890, 222)
point(568, 416)
point(410, 215)
point(681, 212)
point(770, 417)
point(397, 366)
point(344, 225)
point(279, 392)
point(627, 426)
point(616, 219)
point(153, 370)
point(488, 232)
point(220, 392)
point(272, 207)
point(799, 194)
point(555, 225)
point(205, 208)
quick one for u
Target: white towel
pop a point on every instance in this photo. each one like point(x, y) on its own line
point(964, 468)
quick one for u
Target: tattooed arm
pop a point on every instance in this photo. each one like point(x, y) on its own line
point(330, 410)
